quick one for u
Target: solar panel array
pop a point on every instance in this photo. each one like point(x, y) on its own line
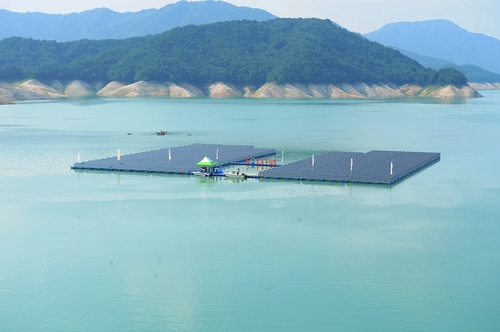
point(182, 159)
point(385, 167)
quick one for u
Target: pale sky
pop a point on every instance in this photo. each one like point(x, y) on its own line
point(482, 16)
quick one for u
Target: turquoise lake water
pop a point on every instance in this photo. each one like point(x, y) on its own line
point(100, 251)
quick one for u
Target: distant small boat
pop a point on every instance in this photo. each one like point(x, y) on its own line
point(161, 132)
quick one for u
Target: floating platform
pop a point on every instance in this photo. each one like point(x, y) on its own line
point(380, 167)
point(176, 160)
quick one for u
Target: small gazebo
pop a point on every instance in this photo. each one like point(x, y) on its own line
point(208, 168)
point(206, 162)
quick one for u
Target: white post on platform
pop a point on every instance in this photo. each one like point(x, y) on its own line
point(169, 155)
point(351, 164)
point(391, 167)
point(282, 156)
point(217, 154)
point(79, 156)
point(118, 157)
point(312, 161)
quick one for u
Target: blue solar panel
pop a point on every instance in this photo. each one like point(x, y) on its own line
point(370, 167)
point(182, 158)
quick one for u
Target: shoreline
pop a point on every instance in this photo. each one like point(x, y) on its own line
point(35, 90)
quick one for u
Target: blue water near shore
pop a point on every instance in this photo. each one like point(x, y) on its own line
point(86, 251)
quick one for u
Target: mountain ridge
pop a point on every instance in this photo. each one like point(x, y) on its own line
point(441, 39)
point(474, 74)
point(103, 23)
point(273, 58)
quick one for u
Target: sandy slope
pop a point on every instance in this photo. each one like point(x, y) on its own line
point(35, 90)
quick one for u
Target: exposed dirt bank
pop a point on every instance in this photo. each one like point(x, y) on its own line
point(35, 90)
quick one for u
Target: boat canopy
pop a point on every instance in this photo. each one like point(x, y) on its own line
point(206, 162)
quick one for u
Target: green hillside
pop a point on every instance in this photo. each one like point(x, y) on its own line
point(477, 74)
point(238, 52)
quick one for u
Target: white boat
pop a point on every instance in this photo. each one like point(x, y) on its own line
point(208, 171)
point(235, 175)
point(200, 173)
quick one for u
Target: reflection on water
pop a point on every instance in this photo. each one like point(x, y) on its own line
point(431, 101)
point(87, 101)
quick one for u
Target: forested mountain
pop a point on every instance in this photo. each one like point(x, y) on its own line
point(472, 72)
point(442, 39)
point(237, 52)
point(476, 74)
point(103, 23)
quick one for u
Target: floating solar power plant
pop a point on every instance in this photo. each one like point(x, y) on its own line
point(385, 167)
point(180, 159)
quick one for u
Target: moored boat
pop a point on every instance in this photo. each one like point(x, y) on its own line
point(200, 173)
point(235, 174)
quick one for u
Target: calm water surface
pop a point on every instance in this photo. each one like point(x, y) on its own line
point(87, 251)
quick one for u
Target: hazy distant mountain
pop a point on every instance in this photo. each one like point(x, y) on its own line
point(442, 39)
point(472, 72)
point(103, 23)
point(426, 61)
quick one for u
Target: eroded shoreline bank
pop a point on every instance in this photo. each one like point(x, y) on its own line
point(35, 90)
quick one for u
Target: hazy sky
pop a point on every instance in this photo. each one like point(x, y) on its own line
point(362, 16)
